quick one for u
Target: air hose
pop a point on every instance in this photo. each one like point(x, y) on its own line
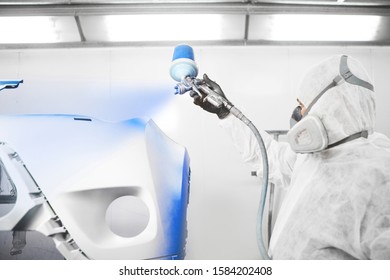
point(264, 183)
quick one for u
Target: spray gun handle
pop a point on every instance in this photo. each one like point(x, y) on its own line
point(213, 97)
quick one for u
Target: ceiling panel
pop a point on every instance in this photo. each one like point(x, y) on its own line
point(153, 1)
point(319, 28)
point(38, 29)
point(324, 2)
point(367, 2)
point(80, 23)
point(163, 27)
point(294, 2)
point(91, 2)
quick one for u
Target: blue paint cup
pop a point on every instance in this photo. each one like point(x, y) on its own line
point(183, 64)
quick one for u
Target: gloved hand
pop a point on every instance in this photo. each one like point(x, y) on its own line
point(221, 112)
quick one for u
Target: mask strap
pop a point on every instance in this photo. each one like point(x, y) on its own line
point(351, 78)
point(332, 84)
point(345, 75)
point(363, 133)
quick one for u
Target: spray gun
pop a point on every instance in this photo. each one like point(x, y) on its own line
point(184, 70)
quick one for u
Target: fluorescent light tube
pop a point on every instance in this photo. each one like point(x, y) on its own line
point(37, 29)
point(168, 27)
point(313, 27)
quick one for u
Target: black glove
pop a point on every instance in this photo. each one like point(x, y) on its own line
point(221, 112)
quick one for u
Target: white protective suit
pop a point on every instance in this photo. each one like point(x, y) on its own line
point(338, 202)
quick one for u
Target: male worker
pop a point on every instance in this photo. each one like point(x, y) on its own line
point(336, 167)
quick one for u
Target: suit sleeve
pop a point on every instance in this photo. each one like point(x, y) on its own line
point(281, 158)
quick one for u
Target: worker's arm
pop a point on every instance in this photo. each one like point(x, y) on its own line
point(280, 156)
point(375, 224)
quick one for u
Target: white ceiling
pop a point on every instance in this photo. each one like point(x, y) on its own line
point(81, 23)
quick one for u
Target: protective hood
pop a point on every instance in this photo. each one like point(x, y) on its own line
point(344, 109)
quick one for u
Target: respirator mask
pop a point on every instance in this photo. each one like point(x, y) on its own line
point(307, 133)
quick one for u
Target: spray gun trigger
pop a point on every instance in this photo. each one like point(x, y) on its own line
point(196, 91)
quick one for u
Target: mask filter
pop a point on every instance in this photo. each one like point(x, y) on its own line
point(308, 135)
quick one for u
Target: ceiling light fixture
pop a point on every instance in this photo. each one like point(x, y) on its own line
point(172, 27)
point(28, 30)
point(37, 29)
point(304, 27)
point(314, 27)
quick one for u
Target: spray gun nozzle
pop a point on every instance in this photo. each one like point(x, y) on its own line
point(182, 88)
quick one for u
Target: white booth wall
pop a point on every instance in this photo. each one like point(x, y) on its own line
point(120, 83)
